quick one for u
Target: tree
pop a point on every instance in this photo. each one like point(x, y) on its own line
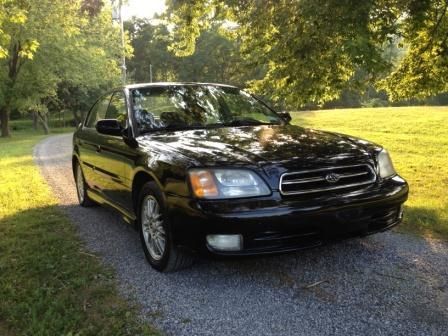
point(15, 49)
point(150, 46)
point(216, 58)
point(423, 71)
point(94, 58)
point(49, 42)
point(312, 49)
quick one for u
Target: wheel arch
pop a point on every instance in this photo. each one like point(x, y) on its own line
point(140, 178)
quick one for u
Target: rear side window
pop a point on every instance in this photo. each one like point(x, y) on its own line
point(98, 111)
point(117, 108)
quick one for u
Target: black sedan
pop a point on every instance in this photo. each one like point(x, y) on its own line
point(209, 167)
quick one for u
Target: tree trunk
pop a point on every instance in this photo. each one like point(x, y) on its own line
point(35, 120)
point(4, 119)
point(14, 65)
point(76, 117)
point(44, 122)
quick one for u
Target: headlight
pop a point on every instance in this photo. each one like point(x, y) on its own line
point(385, 166)
point(227, 183)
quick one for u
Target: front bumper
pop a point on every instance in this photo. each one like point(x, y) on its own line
point(279, 224)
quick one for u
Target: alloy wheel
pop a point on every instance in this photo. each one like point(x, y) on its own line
point(80, 184)
point(152, 227)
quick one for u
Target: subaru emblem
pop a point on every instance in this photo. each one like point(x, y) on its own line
point(332, 177)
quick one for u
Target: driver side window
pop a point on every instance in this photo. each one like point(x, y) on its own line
point(117, 109)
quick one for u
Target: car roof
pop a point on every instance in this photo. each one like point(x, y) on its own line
point(158, 84)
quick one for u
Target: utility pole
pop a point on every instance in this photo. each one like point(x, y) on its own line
point(123, 55)
point(123, 52)
point(150, 72)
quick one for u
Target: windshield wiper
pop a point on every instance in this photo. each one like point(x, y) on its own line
point(171, 128)
point(246, 122)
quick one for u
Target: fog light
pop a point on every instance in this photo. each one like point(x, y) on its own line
point(225, 242)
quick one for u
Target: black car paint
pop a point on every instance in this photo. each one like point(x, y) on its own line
point(113, 167)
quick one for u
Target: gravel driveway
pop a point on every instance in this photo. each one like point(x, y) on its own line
point(386, 284)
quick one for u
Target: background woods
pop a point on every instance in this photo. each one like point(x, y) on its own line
point(56, 57)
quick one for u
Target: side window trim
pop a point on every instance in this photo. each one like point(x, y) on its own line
point(130, 112)
point(84, 124)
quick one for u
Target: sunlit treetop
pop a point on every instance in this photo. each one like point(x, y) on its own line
point(314, 49)
point(48, 42)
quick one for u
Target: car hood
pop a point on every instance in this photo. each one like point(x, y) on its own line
point(287, 146)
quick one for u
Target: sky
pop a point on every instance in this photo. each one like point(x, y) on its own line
point(143, 8)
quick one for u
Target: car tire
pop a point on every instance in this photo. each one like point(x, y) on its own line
point(81, 188)
point(155, 232)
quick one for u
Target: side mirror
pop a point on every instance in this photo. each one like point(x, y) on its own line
point(285, 116)
point(109, 127)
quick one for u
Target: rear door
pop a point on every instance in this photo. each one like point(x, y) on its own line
point(89, 142)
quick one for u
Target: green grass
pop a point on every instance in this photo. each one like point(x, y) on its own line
point(417, 138)
point(49, 285)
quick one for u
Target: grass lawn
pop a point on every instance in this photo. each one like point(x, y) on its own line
point(48, 284)
point(417, 139)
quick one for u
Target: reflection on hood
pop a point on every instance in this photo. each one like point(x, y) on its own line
point(259, 145)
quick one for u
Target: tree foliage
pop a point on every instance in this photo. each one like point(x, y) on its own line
point(58, 54)
point(216, 58)
point(316, 49)
point(423, 72)
point(50, 42)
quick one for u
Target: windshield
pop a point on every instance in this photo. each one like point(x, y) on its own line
point(197, 106)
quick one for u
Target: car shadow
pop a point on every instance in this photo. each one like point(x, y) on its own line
point(424, 221)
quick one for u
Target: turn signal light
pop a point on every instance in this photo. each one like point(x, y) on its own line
point(203, 184)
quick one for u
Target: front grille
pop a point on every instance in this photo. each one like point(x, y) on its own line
point(326, 179)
